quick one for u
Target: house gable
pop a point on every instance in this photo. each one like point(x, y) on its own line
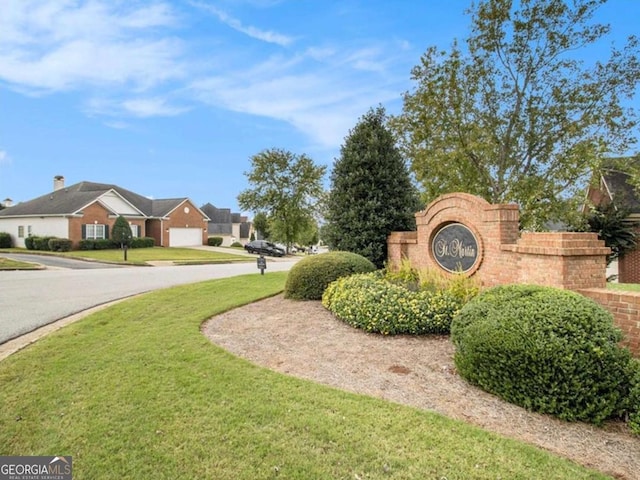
point(118, 205)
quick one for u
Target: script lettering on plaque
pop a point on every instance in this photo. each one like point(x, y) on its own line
point(455, 248)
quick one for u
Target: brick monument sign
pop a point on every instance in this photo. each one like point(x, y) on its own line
point(459, 232)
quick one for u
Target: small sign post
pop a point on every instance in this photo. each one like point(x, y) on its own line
point(262, 264)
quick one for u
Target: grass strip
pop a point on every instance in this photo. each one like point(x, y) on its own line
point(139, 256)
point(136, 391)
point(626, 287)
point(8, 264)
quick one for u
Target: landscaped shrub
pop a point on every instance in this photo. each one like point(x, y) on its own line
point(59, 244)
point(99, 244)
point(214, 241)
point(370, 302)
point(5, 240)
point(143, 242)
point(28, 243)
point(459, 285)
point(85, 245)
point(309, 277)
point(105, 244)
point(545, 349)
point(237, 244)
point(41, 243)
point(634, 399)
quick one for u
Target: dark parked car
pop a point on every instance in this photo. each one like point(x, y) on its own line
point(264, 247)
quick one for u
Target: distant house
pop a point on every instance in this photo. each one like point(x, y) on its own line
point(613, 184)
point(88, 210)
point(232, 227)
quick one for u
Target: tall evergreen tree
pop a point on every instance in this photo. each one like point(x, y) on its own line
point(371, 191)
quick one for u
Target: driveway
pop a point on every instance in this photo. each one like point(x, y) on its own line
point(31, 299)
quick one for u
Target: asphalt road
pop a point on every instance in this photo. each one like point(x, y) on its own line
point(31, 299)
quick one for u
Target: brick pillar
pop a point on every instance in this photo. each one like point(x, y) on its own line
point(566, 260)
point(629, 266)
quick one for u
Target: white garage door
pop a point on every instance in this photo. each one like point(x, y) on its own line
point(185, 237)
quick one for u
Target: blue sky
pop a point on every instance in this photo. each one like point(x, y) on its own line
point(171, 98)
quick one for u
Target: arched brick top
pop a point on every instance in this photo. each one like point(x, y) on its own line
point(465, 203)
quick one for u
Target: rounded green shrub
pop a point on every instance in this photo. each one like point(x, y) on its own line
point(309, 277)
point(214, 241)
point(548, 350)
point(143, 242)
point(28, 243)
point(236, 244)
point(634, 399)
point(372, 303)
point(5, 240)
point(59, 244)
point(42, 243)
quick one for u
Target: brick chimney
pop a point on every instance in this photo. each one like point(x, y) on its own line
point(58, 182)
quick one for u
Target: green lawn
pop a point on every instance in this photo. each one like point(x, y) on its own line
point(7, 264)
point(136, 391)
point(628, 287)
point(142, 255)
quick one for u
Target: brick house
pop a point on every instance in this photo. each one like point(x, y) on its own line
point(88, 210)
point(614, 184)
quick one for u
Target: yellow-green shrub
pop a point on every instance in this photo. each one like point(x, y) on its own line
point(370, 302)
point(429, 279)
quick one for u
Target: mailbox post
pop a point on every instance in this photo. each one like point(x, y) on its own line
point(262, 264)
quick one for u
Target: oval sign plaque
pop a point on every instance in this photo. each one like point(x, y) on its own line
point(455, 248)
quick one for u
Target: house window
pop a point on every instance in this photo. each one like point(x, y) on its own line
point(29, 232)
point(94, 231)
point(21, 231)
point(135, 231)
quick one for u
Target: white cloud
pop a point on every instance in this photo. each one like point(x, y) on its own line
point(127, 59)
point(117, 125)
point(321, 100)
point(253, 32)
point(62, 45)
point(4, 157)
point(151, 107)
point(80, 63)
point(142, 107)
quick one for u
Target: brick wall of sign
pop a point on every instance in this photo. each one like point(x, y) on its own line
point(625, 307)
point(575, 261)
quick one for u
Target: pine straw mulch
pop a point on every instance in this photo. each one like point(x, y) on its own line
point(305, 340)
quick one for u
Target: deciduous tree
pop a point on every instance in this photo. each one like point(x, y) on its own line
point(261, 225)
point(285, 186)
point(516, 116)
